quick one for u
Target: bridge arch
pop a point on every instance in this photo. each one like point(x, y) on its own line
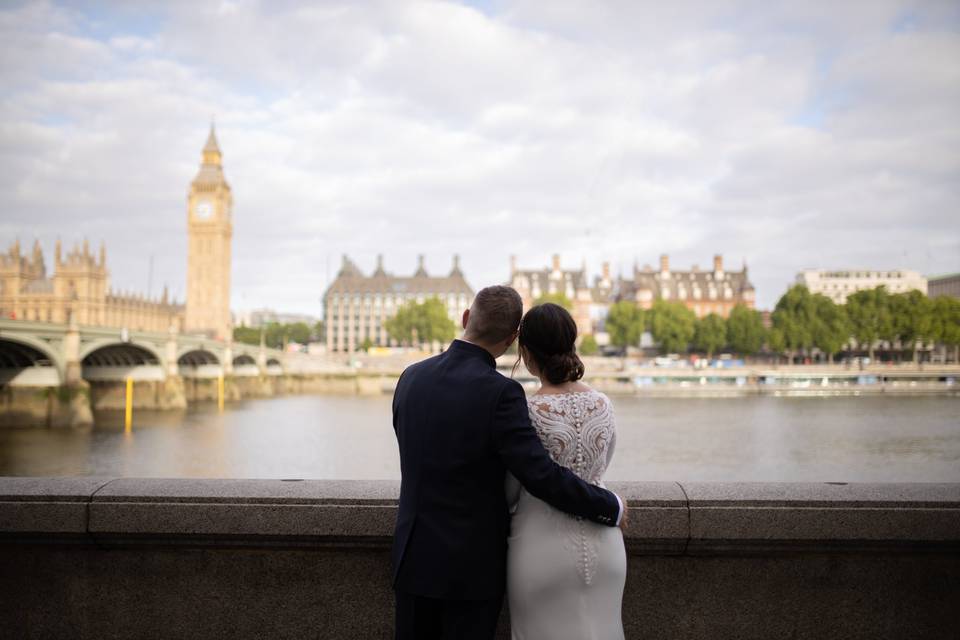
point(120, 355)
point(244, 359)
point(198, 362)
point(110, 361)
point(136, 351)
point(20, 353)
point(274, 367)
point(197, 357)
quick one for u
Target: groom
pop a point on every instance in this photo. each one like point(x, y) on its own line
point(461, 426)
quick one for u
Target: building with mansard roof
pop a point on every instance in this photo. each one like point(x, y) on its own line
point(532, 284)
point(77, 290)
point(356, 305)
point(702, 291)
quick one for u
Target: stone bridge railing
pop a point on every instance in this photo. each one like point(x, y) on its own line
point(106, 558)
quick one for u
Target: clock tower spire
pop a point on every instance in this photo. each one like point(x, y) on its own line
point(209, 231)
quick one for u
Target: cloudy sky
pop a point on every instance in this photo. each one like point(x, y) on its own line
point(787, 135)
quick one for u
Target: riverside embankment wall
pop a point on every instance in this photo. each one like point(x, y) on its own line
point(104, 558)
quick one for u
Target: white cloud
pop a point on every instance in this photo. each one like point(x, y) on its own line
point(791, 137)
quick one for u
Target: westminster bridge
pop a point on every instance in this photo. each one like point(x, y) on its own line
point(56, 374)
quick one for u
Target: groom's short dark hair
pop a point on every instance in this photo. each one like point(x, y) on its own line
point(494, 315)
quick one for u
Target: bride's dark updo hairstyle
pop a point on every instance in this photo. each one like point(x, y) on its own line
point(548, 333)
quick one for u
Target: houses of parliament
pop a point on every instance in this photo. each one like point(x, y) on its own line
point(79, 290)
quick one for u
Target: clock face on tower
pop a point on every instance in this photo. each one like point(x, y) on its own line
point(203, 210)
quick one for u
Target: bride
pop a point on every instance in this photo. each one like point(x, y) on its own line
point(565, 575)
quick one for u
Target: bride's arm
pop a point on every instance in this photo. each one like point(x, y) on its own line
point(512, 488)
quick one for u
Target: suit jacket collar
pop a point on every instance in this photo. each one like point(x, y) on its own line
point(471, 350)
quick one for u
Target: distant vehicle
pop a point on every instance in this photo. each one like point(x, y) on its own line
point(611, 351)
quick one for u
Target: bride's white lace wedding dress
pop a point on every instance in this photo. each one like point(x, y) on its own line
point(565, 575)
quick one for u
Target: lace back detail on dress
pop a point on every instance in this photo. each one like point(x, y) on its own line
point(577, 429)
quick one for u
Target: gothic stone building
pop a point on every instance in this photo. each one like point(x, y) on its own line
point(356, 306)
point(703, 292)
point(209, 231)
point(78, 290)
point(531, 284)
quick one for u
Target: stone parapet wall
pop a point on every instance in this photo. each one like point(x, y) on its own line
point(182, 558)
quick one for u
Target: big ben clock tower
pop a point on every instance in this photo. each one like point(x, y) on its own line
point(209, 228)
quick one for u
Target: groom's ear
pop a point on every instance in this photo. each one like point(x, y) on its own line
point(466, 318)
point(511, 339)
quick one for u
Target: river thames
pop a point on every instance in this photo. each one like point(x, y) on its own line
point(855, 439)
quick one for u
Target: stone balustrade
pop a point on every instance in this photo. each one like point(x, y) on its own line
point(107, 558)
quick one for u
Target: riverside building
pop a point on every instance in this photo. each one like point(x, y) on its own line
point(702, 291)
point(356, 306)
point(838, 285)
point(532, 284)
point(78, 290)
point(948, 285)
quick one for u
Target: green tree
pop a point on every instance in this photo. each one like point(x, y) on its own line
point(624, 323)
point(946, 324)
point(745, 331)
point(912, 317)
point(831, 328)
point(870, 318)
point(275, 335)
point(588, 346)
point(793, 319)
point(710, 334)
point(673, 325)
point(555, 298)
point(420, 323)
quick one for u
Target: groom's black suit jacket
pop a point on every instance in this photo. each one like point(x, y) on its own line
point(460, 426)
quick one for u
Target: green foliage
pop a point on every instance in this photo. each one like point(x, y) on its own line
point(555, 298)
point(588, 346)
point(912, 318)
point(745, 331)
point(793, 319)
point(624, 324)
point(276, 335)
point(831, 328)
point(419, 323)
point(673, 325)
point(946, 320)
point(870, 316)
point(710, 334)
point(366, 344)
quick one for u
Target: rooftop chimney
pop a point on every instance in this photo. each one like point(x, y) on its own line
point(718, 266)
point(421, 271)
point(556, 262)
point(664, 265)
point(513, 265)
point(606, 271)
point(456, 264)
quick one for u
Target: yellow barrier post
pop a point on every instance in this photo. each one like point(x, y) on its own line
point(128, 413)
point(220, 392)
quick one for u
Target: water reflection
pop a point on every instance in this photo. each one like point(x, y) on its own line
point(876, 439)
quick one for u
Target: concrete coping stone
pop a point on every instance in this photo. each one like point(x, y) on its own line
point(666, 515)
point(823, 494)
point(251, 491)
point(24, 489)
